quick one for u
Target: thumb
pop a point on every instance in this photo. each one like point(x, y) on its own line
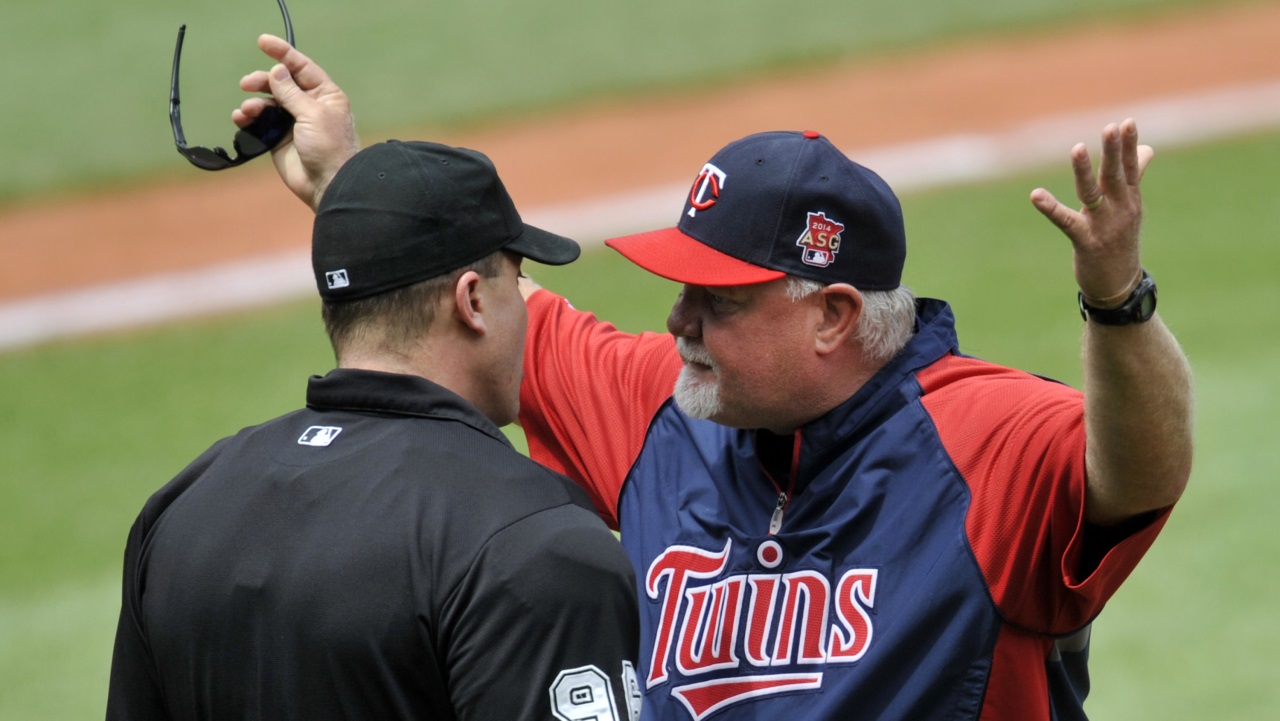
point(1066, 219)
point(287, 92)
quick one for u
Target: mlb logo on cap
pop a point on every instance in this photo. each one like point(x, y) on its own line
point(776, 204)
point(337, 279)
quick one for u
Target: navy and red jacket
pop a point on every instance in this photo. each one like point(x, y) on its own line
point(923, 555)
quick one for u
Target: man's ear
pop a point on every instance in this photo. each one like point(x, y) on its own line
point(841, 307)
point(469, 302)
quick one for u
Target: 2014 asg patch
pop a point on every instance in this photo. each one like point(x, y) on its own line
point(820, 240)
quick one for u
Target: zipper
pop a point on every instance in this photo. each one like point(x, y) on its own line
point(784, 496)
point(775, 522)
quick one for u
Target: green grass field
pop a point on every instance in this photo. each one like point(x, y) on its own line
point(92, 426)
point(87, 83)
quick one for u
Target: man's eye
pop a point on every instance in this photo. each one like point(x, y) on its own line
point(717, 299)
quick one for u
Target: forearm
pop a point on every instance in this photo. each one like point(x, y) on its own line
point(1138, 419)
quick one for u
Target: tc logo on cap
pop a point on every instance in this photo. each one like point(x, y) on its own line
point(709, 181)
point(820, 240)
point(337, 279)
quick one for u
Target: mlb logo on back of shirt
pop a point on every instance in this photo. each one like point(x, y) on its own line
point(319, 436)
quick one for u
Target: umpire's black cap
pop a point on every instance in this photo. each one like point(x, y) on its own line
point(399, 213)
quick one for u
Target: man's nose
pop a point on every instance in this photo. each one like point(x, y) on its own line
point(683, 321)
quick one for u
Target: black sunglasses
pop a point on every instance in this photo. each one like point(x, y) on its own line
point(263, 134)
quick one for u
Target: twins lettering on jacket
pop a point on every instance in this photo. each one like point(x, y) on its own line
point(743, 636)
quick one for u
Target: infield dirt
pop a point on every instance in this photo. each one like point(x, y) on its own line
point(600, 149)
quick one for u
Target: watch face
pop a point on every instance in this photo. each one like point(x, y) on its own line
point(1147, 304)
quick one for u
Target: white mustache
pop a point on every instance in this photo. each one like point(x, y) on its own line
point(691, 352)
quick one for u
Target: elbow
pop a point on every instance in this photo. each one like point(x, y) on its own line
point(1110, 506)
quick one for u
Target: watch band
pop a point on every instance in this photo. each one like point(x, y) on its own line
point(1137, 308)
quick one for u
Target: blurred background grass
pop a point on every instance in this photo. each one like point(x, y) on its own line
point(92, 426)
point(89, 107)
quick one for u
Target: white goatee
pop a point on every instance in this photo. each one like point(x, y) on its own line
point(696, 398)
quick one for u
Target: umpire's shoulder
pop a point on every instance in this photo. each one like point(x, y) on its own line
point(166, 495)
point(511, 483)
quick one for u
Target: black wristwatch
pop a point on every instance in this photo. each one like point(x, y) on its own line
point(1137, 308)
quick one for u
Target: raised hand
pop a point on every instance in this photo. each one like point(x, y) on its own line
point(324, 132)
point(1105, 231)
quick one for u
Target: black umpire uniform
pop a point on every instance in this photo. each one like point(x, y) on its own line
point(384, 553)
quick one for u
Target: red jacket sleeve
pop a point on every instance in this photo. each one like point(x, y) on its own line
point(1018, 441)
point(588, 395)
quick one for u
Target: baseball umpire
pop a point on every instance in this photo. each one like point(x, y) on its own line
point(833, 512)
point(384, 553)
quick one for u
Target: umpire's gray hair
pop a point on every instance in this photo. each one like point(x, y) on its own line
point(888, 317)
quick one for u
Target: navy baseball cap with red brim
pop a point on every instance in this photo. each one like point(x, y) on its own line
point(776, 204)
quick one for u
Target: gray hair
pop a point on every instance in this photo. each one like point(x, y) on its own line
point(888, 317)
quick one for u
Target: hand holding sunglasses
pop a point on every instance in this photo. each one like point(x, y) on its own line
point(258, 138)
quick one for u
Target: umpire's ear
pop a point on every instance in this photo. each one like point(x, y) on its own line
point(841, 307)
point(469, 303)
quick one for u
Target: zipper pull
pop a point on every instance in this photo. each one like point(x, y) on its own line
point(775, 523)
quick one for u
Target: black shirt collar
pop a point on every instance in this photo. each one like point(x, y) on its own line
point(365, 391)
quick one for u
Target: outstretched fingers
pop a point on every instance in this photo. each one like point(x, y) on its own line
point(1088, 189)
point(1136, 157)
point(289, 82)
point(1111, 177)
point(1144, 155)
point(305, 72)
point(1104, 233)
point(1067, 220)
point(1123, 163)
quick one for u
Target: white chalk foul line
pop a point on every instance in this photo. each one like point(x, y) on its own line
point(946, 160)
